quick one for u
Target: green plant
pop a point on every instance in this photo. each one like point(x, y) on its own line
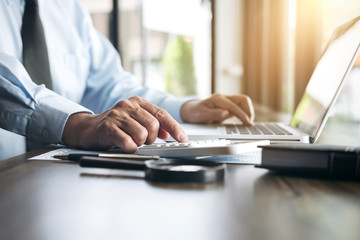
point(178, 65)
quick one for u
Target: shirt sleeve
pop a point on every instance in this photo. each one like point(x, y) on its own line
point(28, 109)
point(109, 83)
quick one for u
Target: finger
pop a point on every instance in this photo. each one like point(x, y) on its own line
point(135, 130)
point(245, 103)
point(149, 123)
point(225, 103)
point(167, 123)
point(130, 111)
point(163, 134)
point(112, 135)
point(125, 142)
point(216, 115)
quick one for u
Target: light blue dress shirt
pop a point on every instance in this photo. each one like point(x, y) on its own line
point(86, 72)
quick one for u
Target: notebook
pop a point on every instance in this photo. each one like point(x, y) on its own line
point(312, 112)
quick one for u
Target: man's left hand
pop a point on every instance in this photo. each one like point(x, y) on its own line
point(218, 108)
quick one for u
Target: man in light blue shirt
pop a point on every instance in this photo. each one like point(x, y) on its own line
point(93, 103)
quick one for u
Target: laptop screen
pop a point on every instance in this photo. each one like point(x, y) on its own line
point(327, 79)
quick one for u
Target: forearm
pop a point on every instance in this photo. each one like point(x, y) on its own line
point(28, 109)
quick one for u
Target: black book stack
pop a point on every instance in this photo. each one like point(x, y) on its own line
point(341, 162)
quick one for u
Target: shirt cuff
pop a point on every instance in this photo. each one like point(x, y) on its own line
point(173, 106)
point(48, 120)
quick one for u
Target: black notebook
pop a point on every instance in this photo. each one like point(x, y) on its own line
point(325, 160)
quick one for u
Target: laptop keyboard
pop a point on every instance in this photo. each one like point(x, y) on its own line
point(257, 129)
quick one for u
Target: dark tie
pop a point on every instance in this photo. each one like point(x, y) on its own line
point(35, 54)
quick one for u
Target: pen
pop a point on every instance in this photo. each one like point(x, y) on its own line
point(77, 156)
point(98, 162)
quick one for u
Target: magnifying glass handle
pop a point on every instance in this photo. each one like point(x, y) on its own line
point(98, 162)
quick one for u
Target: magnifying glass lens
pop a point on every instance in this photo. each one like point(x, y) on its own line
point(184, 171)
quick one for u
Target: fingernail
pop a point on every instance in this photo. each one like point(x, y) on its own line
point(250, 121)
point(224, 115)
point(183, 137)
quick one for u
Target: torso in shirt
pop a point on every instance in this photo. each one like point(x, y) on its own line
point(68, 54)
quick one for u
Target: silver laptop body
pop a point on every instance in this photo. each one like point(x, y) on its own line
point(313, 110)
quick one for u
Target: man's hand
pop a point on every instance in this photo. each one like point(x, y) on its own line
point(218, 108)
point(129, 124)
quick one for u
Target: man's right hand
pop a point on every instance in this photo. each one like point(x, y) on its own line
point(127, 125)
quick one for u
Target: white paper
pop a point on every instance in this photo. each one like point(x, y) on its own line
point(253, 157)
point(50, 155)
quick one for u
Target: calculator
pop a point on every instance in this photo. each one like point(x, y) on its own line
point(200, 148)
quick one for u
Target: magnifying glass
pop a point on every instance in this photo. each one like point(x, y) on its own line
point(165, 170)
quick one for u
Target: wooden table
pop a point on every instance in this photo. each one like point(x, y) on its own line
point(54, 200)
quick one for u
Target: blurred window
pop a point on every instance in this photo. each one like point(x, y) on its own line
point(166, 44)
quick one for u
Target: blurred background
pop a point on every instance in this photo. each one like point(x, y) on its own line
point(265, 49)
point(166, 44)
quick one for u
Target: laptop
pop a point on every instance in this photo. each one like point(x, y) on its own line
point(312, 112)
